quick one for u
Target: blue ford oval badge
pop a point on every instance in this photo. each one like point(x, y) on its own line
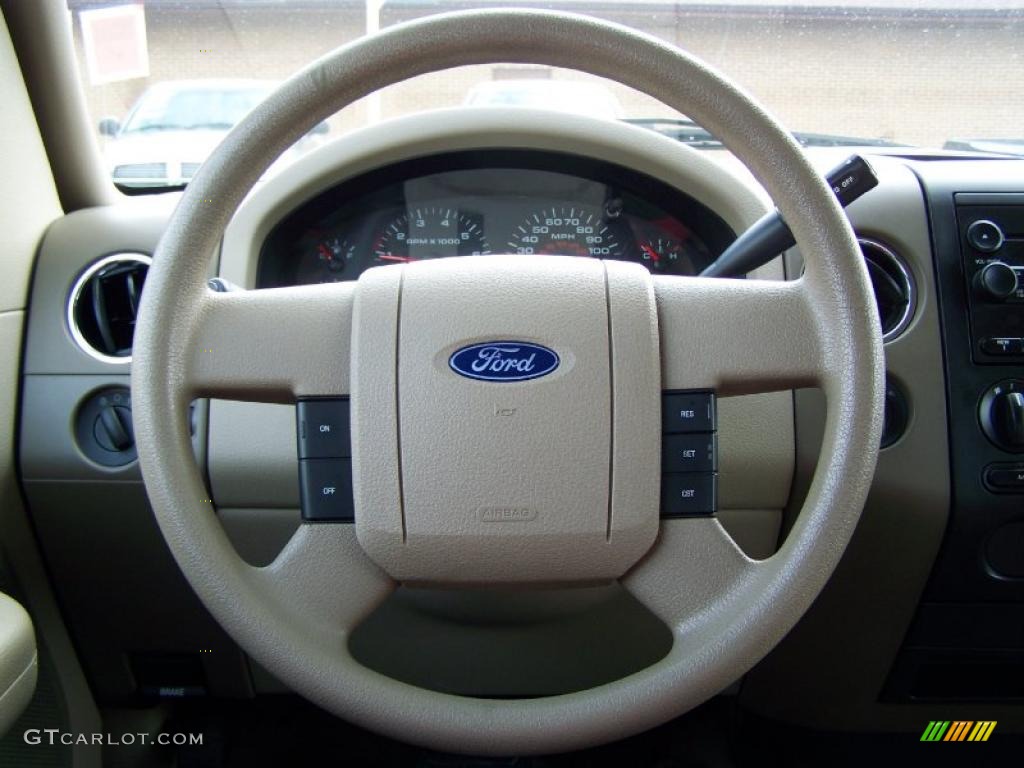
point(503, 361)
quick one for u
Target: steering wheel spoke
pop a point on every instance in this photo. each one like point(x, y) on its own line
point(271, 345)
point(691, 566)
point(737, 337)
point(324, 576)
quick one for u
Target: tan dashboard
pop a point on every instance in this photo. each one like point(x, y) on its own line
point(248, 451)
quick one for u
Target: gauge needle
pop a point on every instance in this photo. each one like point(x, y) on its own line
point(325, 252)
point(650, 252)
point(389, 257)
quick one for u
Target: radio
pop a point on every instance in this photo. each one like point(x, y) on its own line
point(991, 231)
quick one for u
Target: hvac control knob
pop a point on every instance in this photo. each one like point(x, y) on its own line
point(996, 281)
point(1002, 415)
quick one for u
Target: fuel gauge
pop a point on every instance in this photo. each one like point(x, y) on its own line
point(328, 262)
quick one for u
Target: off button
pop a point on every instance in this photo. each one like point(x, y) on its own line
point(325, 486)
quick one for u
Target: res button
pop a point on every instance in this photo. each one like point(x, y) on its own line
point(687, 412)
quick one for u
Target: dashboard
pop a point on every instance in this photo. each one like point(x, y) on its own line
point(464, 182)
point(480, 203)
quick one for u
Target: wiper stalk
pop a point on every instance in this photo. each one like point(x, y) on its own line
point(770, 235)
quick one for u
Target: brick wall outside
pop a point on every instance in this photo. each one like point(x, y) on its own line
point(919, 79)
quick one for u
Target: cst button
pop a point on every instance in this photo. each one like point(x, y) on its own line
point(688, 494)
point(323, 429)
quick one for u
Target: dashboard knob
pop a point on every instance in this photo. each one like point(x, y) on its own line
point(1002, 415)
point(996, 281)
point(985, 236)
point(113, 428)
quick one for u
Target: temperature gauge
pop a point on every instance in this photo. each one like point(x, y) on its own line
point(664, 255)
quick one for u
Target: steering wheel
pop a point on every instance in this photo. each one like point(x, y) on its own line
point(580, 460)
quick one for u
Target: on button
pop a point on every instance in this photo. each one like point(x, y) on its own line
point(323, 429)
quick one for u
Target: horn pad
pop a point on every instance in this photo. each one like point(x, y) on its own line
point(506, 419)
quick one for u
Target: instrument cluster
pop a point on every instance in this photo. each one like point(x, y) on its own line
point(481, 203)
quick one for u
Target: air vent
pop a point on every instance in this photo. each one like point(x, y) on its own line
point(893, 285)
point(104, 303)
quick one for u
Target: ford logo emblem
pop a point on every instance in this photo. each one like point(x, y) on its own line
point(503, 361)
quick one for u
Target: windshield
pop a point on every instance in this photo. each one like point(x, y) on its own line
point(923, 73)
point(169, 108)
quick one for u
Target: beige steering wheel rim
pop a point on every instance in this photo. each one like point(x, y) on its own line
point(294, 616)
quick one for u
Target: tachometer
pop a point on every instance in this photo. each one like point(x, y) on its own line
point(566, 230)
point(430, 233)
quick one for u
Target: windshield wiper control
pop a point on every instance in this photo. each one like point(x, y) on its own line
point(770, 235)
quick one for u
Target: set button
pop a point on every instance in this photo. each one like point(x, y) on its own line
point(689, 453)
point(325, 459)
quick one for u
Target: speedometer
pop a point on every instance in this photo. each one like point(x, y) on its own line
point(430, 233)
point(565, 230)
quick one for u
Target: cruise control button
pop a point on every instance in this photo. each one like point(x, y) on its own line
point(688, 494)
point(325, 486)
point(323, 429)
point(688, 453)
point(688, 412)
